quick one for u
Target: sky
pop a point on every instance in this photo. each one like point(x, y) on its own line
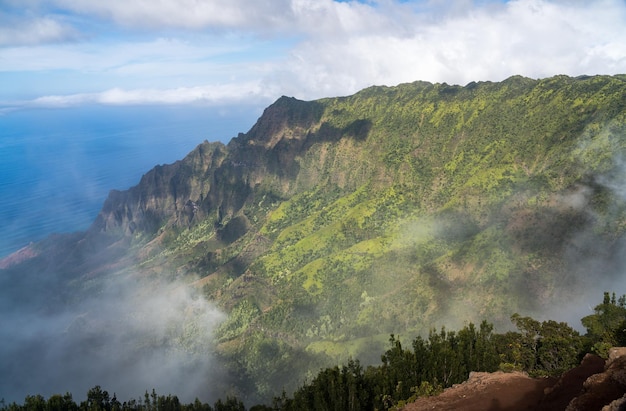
point(69, 53)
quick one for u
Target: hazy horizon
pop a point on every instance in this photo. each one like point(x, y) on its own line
point(58, 166)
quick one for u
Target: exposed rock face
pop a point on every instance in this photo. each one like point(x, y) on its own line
point(605, 390)
point(570, 384)
point(218, 179)
point(163, 194)
point(595, 385)
point(617, 405)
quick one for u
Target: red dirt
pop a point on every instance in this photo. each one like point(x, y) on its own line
point(497, 391)
point(591, 386)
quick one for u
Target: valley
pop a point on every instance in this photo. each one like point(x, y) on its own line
point(334, 223)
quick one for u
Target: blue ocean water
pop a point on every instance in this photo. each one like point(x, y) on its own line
point(58, 166)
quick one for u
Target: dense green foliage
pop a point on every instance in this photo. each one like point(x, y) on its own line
point(445, 358)
point(449, 203)
point(100, 400)
point(335, 223)
point(607, 326)
point(442, 359)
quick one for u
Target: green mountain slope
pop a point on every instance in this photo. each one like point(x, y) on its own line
point(333, 223)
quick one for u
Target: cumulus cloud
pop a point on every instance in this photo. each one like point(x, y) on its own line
point(534, 38)
point(311, 49)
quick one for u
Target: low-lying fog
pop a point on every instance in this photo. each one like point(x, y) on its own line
point(127, 337)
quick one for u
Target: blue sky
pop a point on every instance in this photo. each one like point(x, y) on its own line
point(66, 53)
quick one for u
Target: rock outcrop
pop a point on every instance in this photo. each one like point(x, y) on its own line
point(497, 391)
point(595, 385)
point(605, 390)
point(571, 384)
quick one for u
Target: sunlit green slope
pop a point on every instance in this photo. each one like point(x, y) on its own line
point(333, 223)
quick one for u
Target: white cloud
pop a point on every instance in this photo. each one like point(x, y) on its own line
point(535, 38)
point(211, 95)
point(266, 17)
point(34, 31)
point(179, 47)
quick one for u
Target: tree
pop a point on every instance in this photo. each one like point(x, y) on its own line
point(169, 403)
point(337, 388)
point(606, 328)
point(61, 403)
point(399, 373)
point(486, 354)
point(559, 347)
point(477, 348)
point(199, 406)
point(530, 332)
point(97, 400)
point(231, 404)
point(446, 366)
point(34, 403)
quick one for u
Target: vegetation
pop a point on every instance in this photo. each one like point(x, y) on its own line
point(335, 223)
point(606, 328)
point(100, 400)
point(438, 361)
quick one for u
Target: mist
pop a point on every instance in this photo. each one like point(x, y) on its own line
point(128, 336)
point(580, 222)
point(125, 333)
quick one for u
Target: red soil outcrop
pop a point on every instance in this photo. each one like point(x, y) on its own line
point(594, 385)
point(497, 391)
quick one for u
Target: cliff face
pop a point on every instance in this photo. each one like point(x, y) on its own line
point(216, 181)
point(166, 195)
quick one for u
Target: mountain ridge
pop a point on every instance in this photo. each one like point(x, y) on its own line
point(332, 223)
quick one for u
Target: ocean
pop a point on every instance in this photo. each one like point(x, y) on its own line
point(57, 166)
